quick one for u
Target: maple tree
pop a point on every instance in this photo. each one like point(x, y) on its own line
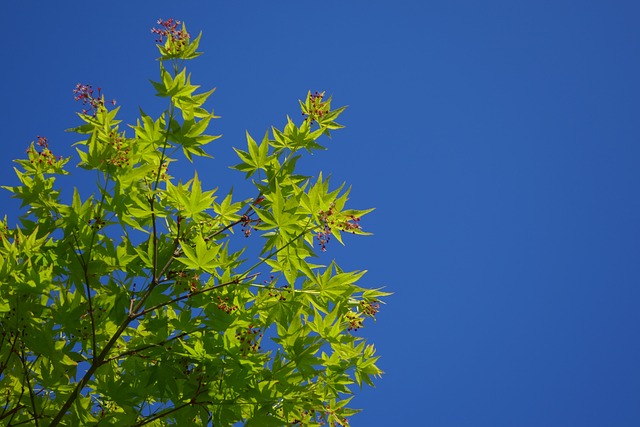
point(134, 306)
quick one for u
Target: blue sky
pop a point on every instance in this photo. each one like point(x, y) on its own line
point(498, 140)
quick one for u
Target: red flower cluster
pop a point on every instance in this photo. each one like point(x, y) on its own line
point(223, 304)
point(96, 223)
point(354, 322)
point(121, 156)
point(369, 308)
point(249, 339)
point(280, 292)
point(187, 283)
point(325, 235)
point(318, 109)
point(248, 224)
point(352, 225)
point(169, 29)
point(45, 156)
point(84, 93)
point(42, 142)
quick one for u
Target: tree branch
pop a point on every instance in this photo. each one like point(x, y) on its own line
point(13, 411)
point(176, 247)
point(263, 260)
point(235, 281)
point(28, 381)
point(85, 264)
point(85, 269)
point(145, 347)
point(95, 364)
point(162, 414)
point(11, 350)
point(91, 318)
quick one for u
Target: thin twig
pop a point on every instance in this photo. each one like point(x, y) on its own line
point(263, 260)
point(155, 239)
point(93, 325)
point(13, 346)
point(163, 414)
point(85, 265)
point(145, 347)
point(235, 281)
point(176, 247)
point(13, 411)
point(28, 381)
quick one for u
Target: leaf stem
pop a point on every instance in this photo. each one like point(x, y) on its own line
point(155, 240)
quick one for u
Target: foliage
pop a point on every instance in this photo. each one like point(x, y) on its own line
point(134, 306)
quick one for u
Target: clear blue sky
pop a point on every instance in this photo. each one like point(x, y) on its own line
point(498, 140)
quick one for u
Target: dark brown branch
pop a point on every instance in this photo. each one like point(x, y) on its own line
point(13, 411)
point(170, 411)
point(85, 265)
point(28, 381)
point(4, 336)
point(11, 350)
point(145, 347)
point(95, 364)
point(85, 269)
point(192, 294)
point(247, 213)
point(154, 282)
point(19, 400)
point(21, 422)
point(262, 261)
point(162, 414)
point(19, 406)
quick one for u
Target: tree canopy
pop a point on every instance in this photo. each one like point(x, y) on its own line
point(161, 302)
